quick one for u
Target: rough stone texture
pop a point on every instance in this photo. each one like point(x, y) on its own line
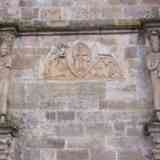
point(73, 154)
point(81, 119)
point(53, 10)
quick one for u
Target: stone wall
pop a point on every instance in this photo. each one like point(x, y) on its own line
point(91, 112)
point(49, 11)
point(80, 118)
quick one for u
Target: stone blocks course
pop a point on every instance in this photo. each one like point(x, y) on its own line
point(73, 155)
point(81, 119)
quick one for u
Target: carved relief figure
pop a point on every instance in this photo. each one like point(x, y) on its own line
point(79, 60)
point(77, 63)
point(56, 65)
point(6, 42)
point(153, 65)
point(106, 68)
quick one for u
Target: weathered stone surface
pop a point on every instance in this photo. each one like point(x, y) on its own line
point(29, 13)
point(70, 130)
point(47, 154)
point(25, 3)
point(134, 131)
point(130, 155)
point(52, 14)
point(86, 142)
point(123, 2)
point(112, 12)
point(131, 52)
point(151, 2)
point(88, 118)
point(119, 127)
point(49, 142)
point(73, 154)
point(51, 116)
point(96, 129)
point(120, 105)
point(58, 95)
point(103, 154)
point(65, 116)
point(29, 154)
point(93, 117)
point(137, 12)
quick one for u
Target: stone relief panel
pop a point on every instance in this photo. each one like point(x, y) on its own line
point(78, 63)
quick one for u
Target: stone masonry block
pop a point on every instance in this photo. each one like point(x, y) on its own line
point(90, 116)
point(102, 154)
point(151, 2)
point(65, 116)
point(25, 3)
point(123, 2)
point(49, 142)
point(97, 129)
point(51, 14)
point(73, 155)
point(131, 52)
point(47, 154)
point(130, 155)
point(70, 130)
point(50, 116)
point(29, 13)
point(135, 12)
point(86, 142)
point(30, 154)
point(111, 12)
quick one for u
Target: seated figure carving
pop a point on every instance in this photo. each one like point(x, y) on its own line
point(76, 63)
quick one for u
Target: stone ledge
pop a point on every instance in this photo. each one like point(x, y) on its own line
point(73, 27)
point(27, 28)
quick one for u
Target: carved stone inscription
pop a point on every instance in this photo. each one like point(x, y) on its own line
point(77, 63)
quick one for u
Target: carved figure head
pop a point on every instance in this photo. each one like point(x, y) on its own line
point(6, 43)
point(154, 40)
point(82, 53)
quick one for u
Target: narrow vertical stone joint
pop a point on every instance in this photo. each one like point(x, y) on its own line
point(152, 128)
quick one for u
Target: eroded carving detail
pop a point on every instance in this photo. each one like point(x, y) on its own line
point(6, 43)
point(77, 63)
point(153, 64)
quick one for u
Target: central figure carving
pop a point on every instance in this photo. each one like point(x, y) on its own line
point(80, 60)
point(77, 62)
